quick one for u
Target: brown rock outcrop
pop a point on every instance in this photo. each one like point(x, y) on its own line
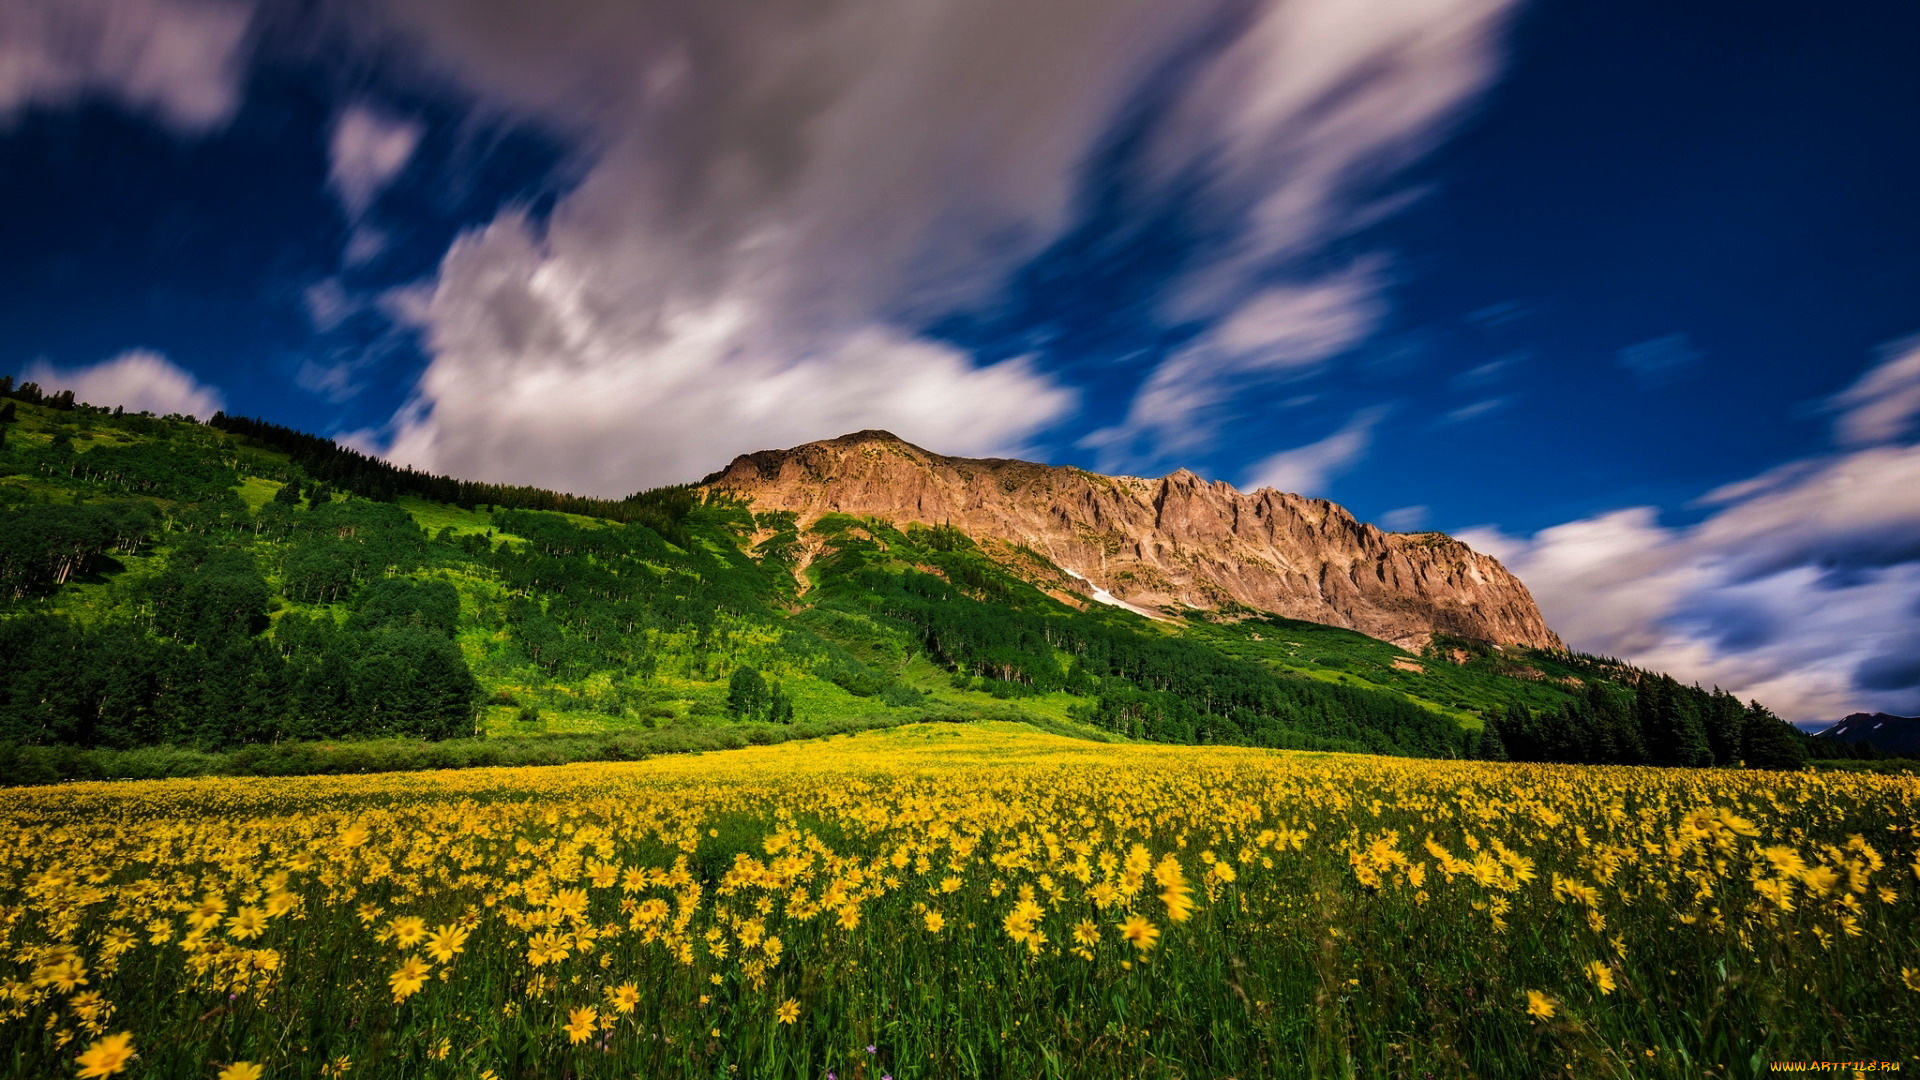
point(1174, 542)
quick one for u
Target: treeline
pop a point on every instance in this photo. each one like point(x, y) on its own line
point(32, 394)
point(1656, 721)
point(348, 469)
point(1821, 749)
point(199, 669)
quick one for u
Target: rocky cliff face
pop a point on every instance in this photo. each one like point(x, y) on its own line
point(1174, 542)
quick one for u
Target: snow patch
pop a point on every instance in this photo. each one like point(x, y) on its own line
point(1103, 596)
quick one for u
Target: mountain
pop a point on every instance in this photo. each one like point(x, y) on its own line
point(1883, 731)
point(1160, 545)
point(243, 588)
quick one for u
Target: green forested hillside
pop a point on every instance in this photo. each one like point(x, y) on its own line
point(165, 582)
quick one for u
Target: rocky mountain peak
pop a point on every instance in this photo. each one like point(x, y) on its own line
point(1159, 545)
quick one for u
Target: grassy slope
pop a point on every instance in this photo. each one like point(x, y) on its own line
point(682, 693)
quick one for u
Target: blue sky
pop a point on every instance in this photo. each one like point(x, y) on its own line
point(1620, 292)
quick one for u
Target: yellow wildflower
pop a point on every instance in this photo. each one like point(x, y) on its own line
point(411, 976)
point(106, 1057)
point(581, 1024)
point(1141, 933)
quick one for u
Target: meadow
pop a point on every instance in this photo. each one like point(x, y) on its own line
point(983, 900)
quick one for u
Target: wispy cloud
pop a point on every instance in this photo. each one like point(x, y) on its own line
point(1306, 470)
point(1884, 403)
point(1660, 360)
point(1493, 371)
point(1406, 518)
point(329, 304)
point(1496, 315)
point(1290, 131)
point(1475, 410)
point(1283, 331)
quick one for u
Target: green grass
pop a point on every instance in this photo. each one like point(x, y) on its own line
point(258, 491)
point(538, 744)
point(1461, 691)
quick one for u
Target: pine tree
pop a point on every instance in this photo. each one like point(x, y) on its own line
point(779, 706)
point(1724, 721)
point(1770, 742)
point(1492, 746)
point(747, 694)
point(1690, 734)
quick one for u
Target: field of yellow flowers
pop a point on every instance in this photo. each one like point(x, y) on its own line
point(946, 901)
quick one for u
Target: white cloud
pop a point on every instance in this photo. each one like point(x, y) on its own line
point(1406, 519)
point(1797, 591)
point(773, 196)
point(1883, 404)
point(409, 306)
point(1305, 470)
point(180, 60)
point(139, 380)
point(368, 149)
point(527, 387)
point(1476, 409)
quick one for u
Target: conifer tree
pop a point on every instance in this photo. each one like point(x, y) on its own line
point(747, 694)
point(1492, 747)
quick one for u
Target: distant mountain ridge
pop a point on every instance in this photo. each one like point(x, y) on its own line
point(1169, 543)
point(1883, 731)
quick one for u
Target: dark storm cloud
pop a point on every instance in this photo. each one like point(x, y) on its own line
point(1895, 670)
point(1727, 624)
